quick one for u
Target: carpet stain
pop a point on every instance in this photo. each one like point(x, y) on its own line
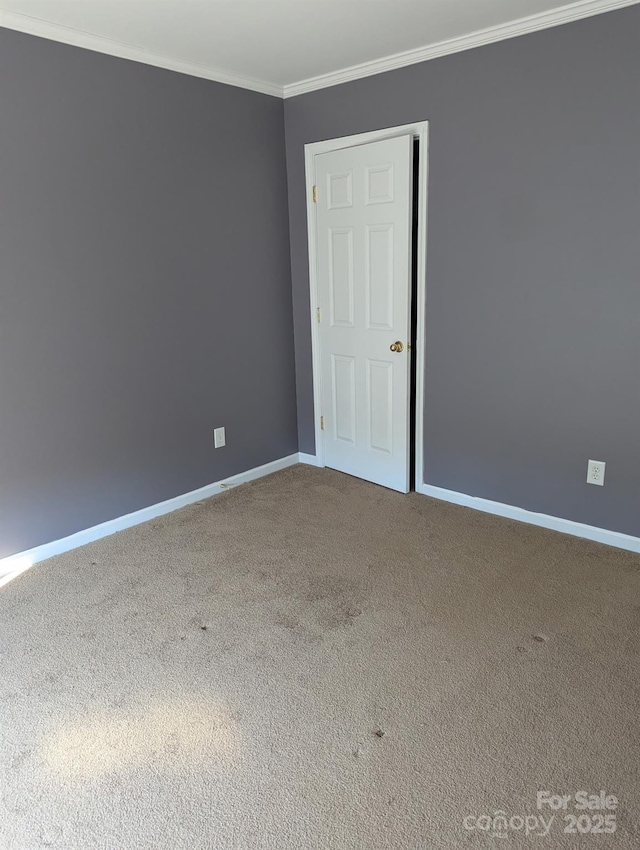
point(286, 621)
point(321, 588)
point(339, 615)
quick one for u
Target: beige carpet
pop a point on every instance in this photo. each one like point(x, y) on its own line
point(311, 661)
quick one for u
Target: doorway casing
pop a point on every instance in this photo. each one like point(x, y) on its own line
point(420, 132)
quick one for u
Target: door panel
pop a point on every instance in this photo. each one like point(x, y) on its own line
point(343, 392)
point(380, 405)
point(379, 280)
point(341, 276)
point(363, 242)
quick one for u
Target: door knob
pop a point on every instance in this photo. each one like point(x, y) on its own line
point(397, 347)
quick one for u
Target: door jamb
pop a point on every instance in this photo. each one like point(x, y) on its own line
point(419, 131)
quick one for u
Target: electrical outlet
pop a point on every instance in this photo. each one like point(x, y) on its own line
point(595, 472)
point(218, 438)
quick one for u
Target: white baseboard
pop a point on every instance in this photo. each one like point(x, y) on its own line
point(14, 564)
point(310, 460)
point(566, 526)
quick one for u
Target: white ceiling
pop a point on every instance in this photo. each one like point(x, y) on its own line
point(284, 46)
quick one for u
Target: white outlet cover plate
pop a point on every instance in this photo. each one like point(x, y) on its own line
point(219, 438)
point(595, 472)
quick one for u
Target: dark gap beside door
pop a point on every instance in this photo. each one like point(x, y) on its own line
point(413, 325)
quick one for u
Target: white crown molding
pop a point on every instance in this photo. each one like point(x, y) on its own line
point(522, 26)
point(98, 44)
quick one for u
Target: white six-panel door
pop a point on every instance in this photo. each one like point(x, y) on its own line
point(363, 240)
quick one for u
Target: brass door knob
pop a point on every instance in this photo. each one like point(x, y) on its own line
point(397, 347)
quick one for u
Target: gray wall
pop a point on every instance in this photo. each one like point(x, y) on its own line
point(144, 287)
point(533, 290)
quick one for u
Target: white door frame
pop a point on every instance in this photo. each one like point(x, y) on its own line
point(419, 131)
